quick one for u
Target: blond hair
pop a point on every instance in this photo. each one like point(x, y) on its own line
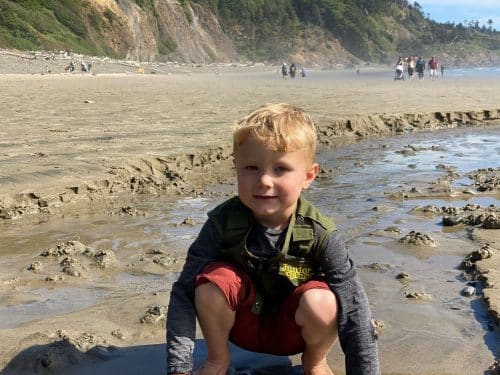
point(281, 127)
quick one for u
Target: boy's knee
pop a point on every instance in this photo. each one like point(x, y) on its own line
point(208, 294)
point(317, 307)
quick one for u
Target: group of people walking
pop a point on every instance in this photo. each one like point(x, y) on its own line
point(85, 67)
point(285, 71)
point(416, 66)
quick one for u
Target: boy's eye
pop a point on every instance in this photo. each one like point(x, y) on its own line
point(281, 169)
point(251, 168)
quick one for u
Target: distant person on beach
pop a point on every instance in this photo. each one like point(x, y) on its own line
point(400, 68)
point(442, 70)
point(86, 67)
point(411, 67)
point(420, 67)
point(268, 272)
point(303, 72)
point(284, 70)
point(432, 65)
point(293, 69)
point(83, 67)
point(70, 67)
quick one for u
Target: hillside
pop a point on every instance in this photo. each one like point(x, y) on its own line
point(326, 32)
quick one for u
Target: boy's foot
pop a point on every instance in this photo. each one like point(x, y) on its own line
point(321, 369)
point(209, 368)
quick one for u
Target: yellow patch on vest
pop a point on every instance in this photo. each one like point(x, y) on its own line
point(296, 271)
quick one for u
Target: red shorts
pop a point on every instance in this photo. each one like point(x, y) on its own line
point(276, 333)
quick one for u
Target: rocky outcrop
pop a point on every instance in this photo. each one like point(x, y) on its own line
point(167, 31)
point(484, 265)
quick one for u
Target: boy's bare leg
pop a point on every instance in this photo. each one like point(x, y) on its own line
point(317, 315)
point(216, 320)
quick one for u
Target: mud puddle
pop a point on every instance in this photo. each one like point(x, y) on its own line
point(432, 333)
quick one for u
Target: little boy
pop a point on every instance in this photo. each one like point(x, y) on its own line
point(268, 272)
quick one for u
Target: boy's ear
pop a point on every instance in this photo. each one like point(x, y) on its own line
point(311, 174)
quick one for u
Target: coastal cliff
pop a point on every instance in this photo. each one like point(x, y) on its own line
point(330, 33)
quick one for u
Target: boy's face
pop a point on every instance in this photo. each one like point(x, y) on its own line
point(270, 182)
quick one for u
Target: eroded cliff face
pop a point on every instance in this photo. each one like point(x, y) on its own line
point(164, 31)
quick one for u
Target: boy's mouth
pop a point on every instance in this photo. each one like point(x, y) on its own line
point(265, 197)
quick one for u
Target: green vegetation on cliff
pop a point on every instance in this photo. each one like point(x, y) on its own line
point(369, 30)
point(51, 25)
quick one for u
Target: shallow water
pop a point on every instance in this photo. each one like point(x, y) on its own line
point(362, 174)
point(430, 335)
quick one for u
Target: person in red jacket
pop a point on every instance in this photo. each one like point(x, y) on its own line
point(433, 66)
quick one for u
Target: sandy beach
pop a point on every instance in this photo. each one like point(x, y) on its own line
point(92, 148)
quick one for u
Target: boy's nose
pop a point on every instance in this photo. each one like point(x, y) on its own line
point(265, 179)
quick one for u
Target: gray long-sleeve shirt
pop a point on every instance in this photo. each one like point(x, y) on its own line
point(356, 333)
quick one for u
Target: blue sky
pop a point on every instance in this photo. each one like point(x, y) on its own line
point(459, 10)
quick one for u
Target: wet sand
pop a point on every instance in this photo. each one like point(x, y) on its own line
point(76, 145)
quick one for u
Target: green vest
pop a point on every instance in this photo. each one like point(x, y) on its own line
point(274, 277)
